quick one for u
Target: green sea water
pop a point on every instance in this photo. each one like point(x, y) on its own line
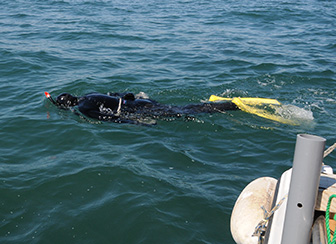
point(65, 179)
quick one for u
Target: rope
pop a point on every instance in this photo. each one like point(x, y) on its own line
point(333, 241)
point(329, 150)
point(262, 225)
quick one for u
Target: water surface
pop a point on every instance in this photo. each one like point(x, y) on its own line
point(68, 180)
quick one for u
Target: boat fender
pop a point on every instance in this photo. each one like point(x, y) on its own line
point(247, 211)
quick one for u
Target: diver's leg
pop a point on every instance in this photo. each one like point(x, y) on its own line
point(209, 107)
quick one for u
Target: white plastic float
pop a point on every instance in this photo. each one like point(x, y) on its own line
point(247, 212)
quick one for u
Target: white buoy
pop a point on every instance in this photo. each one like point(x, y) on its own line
point(247, 212)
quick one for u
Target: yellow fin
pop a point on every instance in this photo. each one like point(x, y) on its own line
point(214, 98)
point(261, 112)
point(250, 105)
point(247, 100)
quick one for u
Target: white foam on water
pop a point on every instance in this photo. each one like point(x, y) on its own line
point(294, 113)
point(141, 95)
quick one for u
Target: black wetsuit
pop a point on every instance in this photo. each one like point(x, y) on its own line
point(127, 108)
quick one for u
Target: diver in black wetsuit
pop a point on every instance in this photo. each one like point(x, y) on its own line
point(127, 108)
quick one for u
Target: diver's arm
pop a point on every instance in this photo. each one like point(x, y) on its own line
point(107, 117)
point(98, 115)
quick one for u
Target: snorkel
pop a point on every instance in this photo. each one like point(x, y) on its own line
point(50, 98)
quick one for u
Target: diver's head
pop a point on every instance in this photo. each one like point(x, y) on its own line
point(66, 100)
